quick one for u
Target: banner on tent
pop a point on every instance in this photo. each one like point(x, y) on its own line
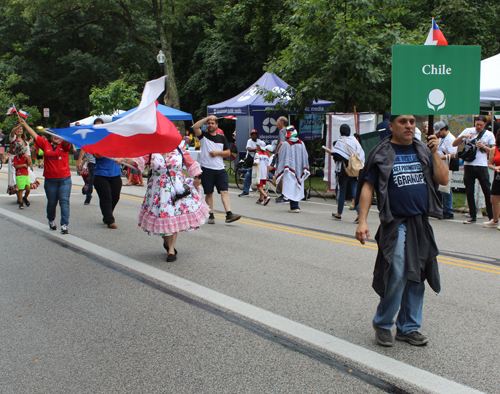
point(265, 124)
point(311, 128)
point(366, 124)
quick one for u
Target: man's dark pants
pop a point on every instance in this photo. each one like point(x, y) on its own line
point(471, 173)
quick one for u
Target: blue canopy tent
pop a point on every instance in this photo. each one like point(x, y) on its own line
point(171, 114)
point(251, 110)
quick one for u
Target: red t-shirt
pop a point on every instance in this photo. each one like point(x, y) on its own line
point(56, 162)
point(19, 160)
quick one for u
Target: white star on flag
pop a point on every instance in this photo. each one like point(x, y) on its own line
point(83, 132)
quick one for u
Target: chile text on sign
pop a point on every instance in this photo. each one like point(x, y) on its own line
point(435, 80)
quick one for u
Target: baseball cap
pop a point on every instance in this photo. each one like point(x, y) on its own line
point(270, 148)
point(262, 144)
point(254, 131)
point(438, 126)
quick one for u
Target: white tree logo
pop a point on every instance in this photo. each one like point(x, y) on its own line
point(436, 99)
point(269, 125)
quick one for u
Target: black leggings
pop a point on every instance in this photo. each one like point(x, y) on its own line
point(471, 173)
point(108, 189)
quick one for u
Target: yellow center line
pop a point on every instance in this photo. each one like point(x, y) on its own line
point(347, 241)
point(331, 238)
point(451, 261)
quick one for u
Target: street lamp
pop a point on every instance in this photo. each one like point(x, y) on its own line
point(160, 58)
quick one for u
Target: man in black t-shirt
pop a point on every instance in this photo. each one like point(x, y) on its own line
point(403, 170)
point(214, 149)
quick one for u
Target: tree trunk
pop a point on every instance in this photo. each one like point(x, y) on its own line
point(171, 97)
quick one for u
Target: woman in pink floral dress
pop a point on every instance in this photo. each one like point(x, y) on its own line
point(173, 201)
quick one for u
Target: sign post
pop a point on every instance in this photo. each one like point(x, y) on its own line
point(46, 114)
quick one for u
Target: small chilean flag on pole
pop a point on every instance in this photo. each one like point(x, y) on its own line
point(24, 114)
point(11, 110)
point(435, 36)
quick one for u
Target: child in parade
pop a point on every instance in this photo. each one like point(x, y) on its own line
point(262, 158)
point(21, 162)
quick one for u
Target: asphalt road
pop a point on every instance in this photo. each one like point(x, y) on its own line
point(276, 303)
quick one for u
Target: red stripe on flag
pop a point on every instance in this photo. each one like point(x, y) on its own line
point(164, 140)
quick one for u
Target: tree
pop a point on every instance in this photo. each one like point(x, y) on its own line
point(341, 51)
point(117, 95)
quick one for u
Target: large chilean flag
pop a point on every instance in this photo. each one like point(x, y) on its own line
point(140, 133)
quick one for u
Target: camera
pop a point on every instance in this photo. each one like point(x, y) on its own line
point(186, 192)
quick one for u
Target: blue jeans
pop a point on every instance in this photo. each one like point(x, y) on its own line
point(447, 202)
point(401, 294)
point(294, 204)
point(58, 190)
point(344, 183)
point(248, 180)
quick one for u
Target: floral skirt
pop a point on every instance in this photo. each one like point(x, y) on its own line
point(161, 215)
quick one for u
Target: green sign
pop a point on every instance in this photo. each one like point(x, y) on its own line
point(435, 79)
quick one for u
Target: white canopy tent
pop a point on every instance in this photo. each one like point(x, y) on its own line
point(90, 120)
point(490, 82)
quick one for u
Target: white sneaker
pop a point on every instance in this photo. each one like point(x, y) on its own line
point(491, 223)
point(53, 225)
point(64, 229)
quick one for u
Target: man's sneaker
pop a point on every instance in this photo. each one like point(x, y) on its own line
point(21, 205)
point(232, 217)
point(491, 223)
point(383, 336)
point(64, 229)
point(294, 210)
point(281, 200)
point(53, 225)
point(448, 216)
point(26, 202)
point(334, 215)
point(259, 201)
point(470, 221)
point(87, 201)
point(266, 200)
point(356, 221)
point(413, 338)
point(243, 194)
point(211, 219)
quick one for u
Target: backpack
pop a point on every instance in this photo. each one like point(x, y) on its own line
point(354, 165)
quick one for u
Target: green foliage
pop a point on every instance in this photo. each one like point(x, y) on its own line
point(117, 95)
point(54, 53)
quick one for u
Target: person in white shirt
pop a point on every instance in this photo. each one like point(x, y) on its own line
point(446, 152)
point(214, 149)
point(477, 168)
point(252, 143)
point(262, 160)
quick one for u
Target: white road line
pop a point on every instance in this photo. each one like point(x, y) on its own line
point(378, 362)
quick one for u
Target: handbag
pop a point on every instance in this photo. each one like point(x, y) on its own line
point(354, 165)
point(255, 175)
point(470, 148)
point(34, 183)
point(447, 188)
point(454, 164)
